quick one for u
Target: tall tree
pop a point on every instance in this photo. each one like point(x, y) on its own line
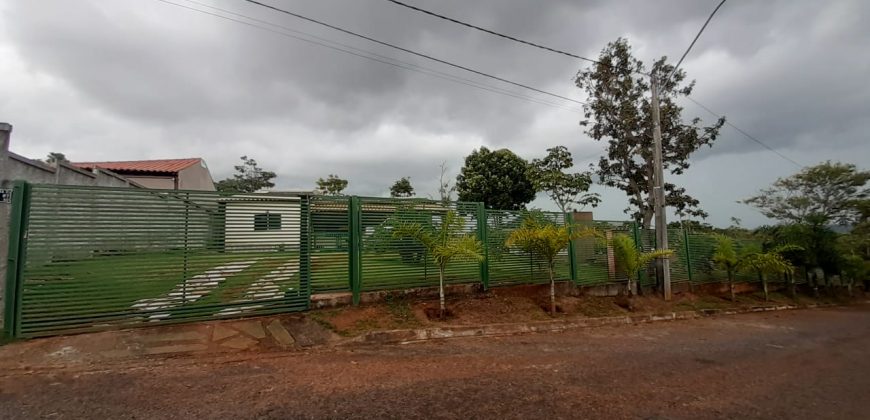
point(249, 177)
point(565, 189)
point(445, 190)
point(499, 179)
point(825, 193)
point(402, 188)
point(618, 111)
point(55, 157)
point(332, 185)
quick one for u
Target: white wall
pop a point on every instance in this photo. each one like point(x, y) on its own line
point(239, 223)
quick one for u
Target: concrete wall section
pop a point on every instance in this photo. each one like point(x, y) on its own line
point(195, 177)
point(15, 167)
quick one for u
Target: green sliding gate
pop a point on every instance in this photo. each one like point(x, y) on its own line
point(86, 258)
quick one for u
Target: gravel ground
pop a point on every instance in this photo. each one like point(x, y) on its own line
point(793, 364)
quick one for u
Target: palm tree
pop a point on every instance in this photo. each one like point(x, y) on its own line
point(630, 260)
point(764, 263)
point(725, 258)
point(545, 239)
point(444, 241)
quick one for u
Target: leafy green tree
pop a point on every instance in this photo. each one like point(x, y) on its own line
point(444, 242)
point(332, 185)
point(55, 157)
point(402, 188)
point(693, 226)
point(499, 179)
point(545, 239)
point(825, 193)
point(565, 189)
point(618, 112)
point(630, 261)
point(248, 178)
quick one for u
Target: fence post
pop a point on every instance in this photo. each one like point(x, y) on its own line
point(355, 238)
point(638, 243)
point(305, 248)
point(16, 258)
point(482, 237)
point(688, 254)
point(572, 264)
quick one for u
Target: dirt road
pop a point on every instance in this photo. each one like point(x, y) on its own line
point(793, 364)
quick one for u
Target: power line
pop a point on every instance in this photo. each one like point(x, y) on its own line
point(367, 54)
point(749, 136)
point(709, 18)
point(512, 38)
point(409, 51)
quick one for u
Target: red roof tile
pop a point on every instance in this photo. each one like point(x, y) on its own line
point(160, 165)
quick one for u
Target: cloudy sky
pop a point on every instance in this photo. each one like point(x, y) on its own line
point(143, 79)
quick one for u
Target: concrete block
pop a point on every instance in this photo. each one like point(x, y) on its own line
point(280, 334)
point(251, 328)
point(177, 348)
point(221, 332)
point(240, 343)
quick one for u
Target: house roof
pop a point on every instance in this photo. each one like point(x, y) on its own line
point(159, 165)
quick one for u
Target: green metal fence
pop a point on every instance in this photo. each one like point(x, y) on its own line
point(89, 258)
point(92, 258)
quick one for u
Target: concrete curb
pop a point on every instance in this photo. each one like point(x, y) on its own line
point(494, 330)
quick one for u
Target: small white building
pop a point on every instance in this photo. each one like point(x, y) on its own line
point(262, 221)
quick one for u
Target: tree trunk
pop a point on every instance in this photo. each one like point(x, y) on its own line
point(731, 285)
point(552, 292)
point(763, 279)
point(632, 286)
point(441, 291)
point(791, 285)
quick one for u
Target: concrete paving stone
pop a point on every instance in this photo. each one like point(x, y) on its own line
point(280, 334)
point(175, 336)
point(240, 343)
point(221, 332)
point(177, 348)
point(252, 328)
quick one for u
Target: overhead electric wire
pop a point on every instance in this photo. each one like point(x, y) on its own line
point(709, 18)
point(505, 36)
point(749, 136)
point(368, 54)
point(705, 108)
point(409, 51)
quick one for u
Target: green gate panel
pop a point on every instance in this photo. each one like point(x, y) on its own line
point(102, 258)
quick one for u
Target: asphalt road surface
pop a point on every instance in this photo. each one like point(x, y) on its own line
point(810, 364)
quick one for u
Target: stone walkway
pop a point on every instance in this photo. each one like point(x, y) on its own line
point(268, 287)
point(190, 290)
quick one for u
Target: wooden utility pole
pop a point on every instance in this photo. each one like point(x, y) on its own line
point(659, 190)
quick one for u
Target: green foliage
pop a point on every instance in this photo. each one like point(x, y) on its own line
point(565, 189)
point(545, 239)
point(332, 185)
point(499, 179)
point(619, 112)
point(402, 188)
point(444, 241)
point(248, 178)
point(55, 157)
point(725, 254)
point(629, 260)
point(821, 194)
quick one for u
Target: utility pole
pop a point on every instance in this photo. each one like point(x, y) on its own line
point(659, 190)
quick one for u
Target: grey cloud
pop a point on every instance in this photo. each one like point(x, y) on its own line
point(135, 79)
